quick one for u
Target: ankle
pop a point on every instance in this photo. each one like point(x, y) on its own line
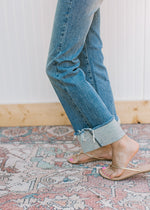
point(123, 142)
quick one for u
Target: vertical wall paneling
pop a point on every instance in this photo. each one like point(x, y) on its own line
point(122, 29)
point(25, 27)
point(25, 32)
point(146, 94)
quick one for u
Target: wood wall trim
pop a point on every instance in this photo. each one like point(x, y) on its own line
point(54, 114)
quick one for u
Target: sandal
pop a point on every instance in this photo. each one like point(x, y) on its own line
point(77, 156)
point(128, 172)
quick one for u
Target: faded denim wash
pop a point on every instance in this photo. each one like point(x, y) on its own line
point(76, 71)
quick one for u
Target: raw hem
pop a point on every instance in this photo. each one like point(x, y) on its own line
point(91, 139)
point(90, 129)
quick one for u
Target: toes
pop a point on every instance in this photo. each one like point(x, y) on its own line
point(77, 158)
point(70, 160)
point(104, 174)
point(107, 172)
point(117, 173)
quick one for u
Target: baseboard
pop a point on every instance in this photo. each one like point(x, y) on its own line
point(54, 114)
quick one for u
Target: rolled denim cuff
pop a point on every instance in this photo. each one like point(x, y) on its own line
point(91, 139)
point(87, 142)
point(109, 133)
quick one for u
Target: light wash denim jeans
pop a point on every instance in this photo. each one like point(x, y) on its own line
point(77, 73)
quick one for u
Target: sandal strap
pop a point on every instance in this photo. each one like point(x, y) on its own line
point(91, 156)
point(130, 169)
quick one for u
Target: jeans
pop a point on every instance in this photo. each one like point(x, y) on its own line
point(76, 71)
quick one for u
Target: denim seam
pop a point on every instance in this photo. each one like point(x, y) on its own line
point(91, 74)
point(65, 27)
point(95, 139)
point(58, 51)
point(64, 30)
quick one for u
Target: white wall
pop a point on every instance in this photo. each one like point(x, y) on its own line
point(25, 30)
point(146, 72)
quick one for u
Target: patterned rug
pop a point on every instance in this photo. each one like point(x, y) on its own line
point(35, 174)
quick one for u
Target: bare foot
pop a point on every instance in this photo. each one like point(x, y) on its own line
point(100, 153)
point(123, 151)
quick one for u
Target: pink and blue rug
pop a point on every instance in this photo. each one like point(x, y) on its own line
point(35, 174)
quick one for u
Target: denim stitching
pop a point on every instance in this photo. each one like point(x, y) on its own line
point(64, 28)
point(90, 70)
point(92, 74)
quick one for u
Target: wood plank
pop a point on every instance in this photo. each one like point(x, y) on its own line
point(32, 114)
point(54, 114)
point(133, 111)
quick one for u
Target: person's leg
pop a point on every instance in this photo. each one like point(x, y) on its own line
point(91, 59)
point(72, 22)
point(91, 62)
point(121, 152)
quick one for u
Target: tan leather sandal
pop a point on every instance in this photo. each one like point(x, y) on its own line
point(78, 161)
point(128, 172)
